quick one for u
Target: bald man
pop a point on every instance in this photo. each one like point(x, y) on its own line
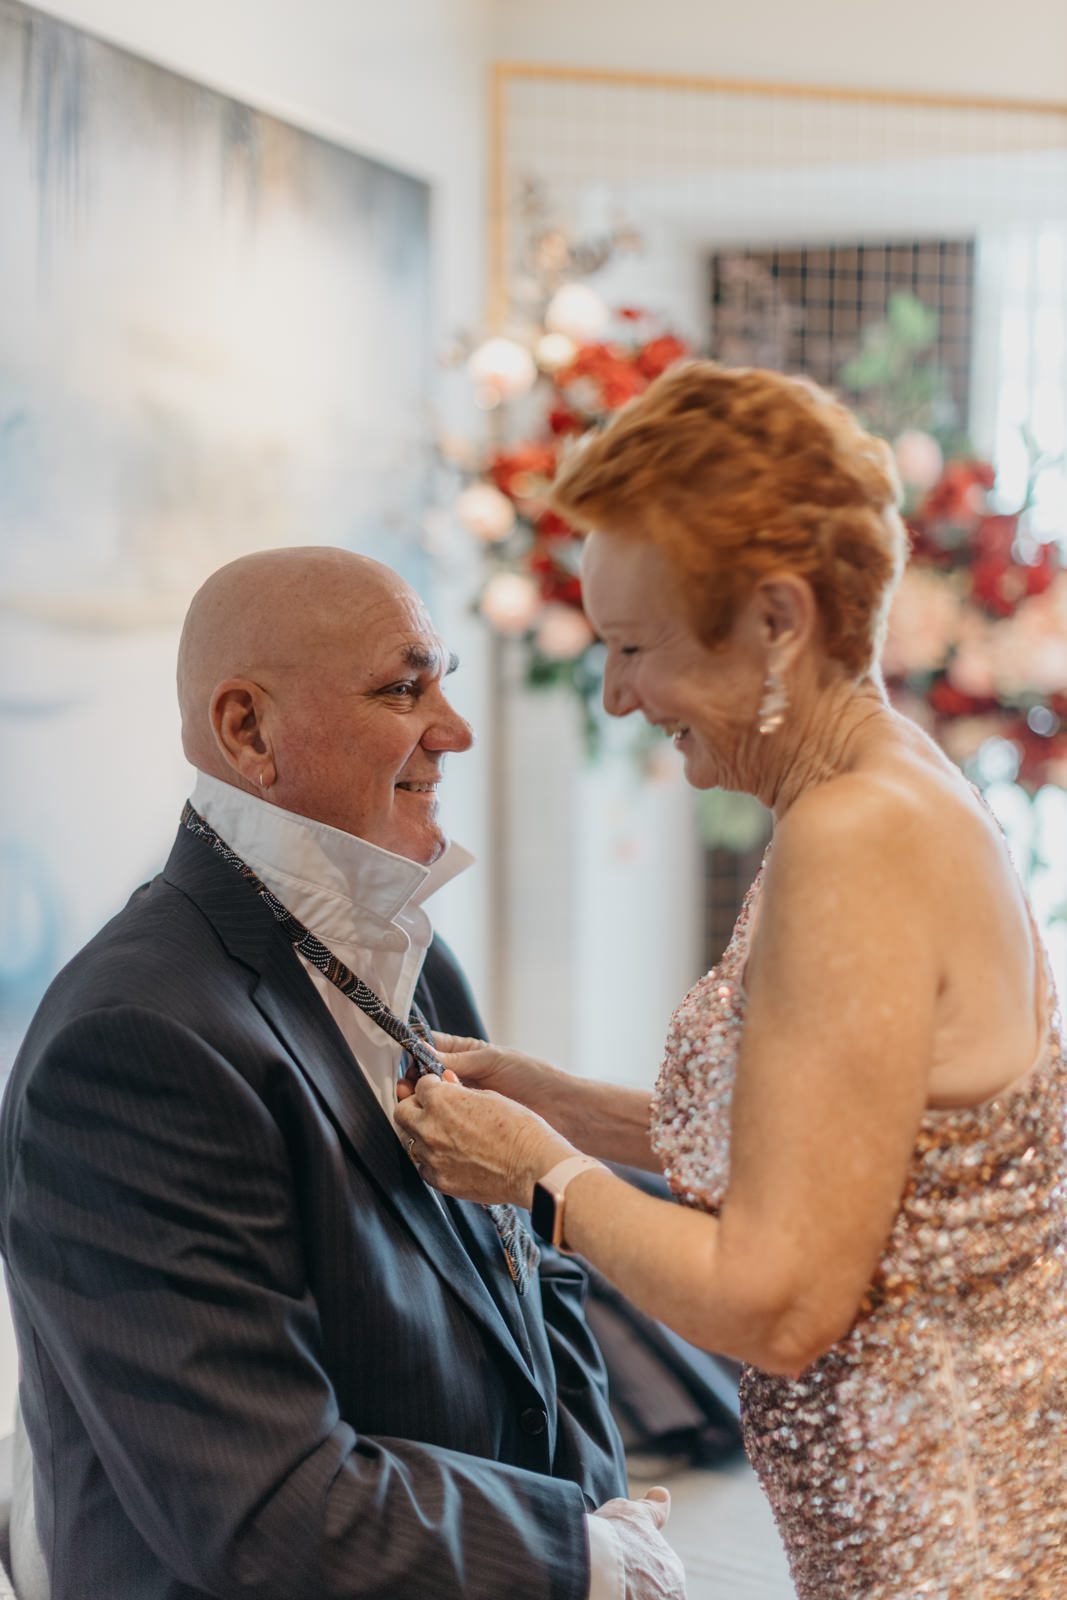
point(260, 1358)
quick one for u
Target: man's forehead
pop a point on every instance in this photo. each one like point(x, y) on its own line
point(429, 655)
point(401, 635)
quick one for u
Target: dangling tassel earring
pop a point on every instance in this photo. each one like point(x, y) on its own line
point(775, 702)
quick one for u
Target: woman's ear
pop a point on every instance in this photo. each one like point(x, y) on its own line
point(788, 615)
point(240, 715)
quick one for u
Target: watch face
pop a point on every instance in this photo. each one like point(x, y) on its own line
point(543, 1212)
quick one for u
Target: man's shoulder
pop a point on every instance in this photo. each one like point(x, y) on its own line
point(157, 926)
point(159, 954)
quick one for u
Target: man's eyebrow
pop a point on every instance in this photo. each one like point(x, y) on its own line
point(423, 660)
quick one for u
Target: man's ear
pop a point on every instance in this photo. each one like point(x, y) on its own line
point(240, 716)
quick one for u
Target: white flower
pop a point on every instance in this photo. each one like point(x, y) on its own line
point(501, 369)
point(510, 602)
point(577, 311)
point(563, 633)
point(485, 512)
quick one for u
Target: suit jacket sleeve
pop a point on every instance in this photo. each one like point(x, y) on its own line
point(588, 1449)
point(149, 1231)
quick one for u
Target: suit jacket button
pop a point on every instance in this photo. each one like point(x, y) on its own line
point(533, 1421)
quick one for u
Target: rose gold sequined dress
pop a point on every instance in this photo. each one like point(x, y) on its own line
point(925, 1454)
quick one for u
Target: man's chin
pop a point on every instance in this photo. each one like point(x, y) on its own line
point(435, 852)
point(426, 847)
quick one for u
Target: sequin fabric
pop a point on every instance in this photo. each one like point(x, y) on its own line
point(925, 1454)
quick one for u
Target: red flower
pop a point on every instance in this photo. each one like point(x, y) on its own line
point(556, 582)
point(518, 473)
point(1041, 574)
point(959, 494)
point(998, 581)
point(995, 536)
point(550, 526)
point(620, 384)
point(611, 372)
point(659, 354)
point(562, 420)
point(948, 701)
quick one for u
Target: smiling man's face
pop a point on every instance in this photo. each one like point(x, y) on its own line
point(314, 679)
point(363, 723)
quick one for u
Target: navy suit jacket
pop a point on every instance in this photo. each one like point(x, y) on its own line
point(259, 1357)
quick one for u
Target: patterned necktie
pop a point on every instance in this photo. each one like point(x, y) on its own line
point(520, 1249)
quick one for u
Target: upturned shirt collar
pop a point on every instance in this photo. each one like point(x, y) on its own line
point(345, 889)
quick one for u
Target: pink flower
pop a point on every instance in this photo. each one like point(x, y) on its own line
point(971, 670)
point(1028, 655)
point(919, 459)
point(923, 623)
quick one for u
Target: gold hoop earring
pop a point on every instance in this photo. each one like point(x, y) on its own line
point(775, 702)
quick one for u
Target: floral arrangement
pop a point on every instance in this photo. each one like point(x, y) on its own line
point(977, 641)
point(977, 645)
point(531, 590)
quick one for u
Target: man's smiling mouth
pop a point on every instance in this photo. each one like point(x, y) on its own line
point(420, 788)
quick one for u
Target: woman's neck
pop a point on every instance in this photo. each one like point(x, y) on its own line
point(819, 740)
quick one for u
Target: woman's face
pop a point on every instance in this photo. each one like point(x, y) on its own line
point(707, 700)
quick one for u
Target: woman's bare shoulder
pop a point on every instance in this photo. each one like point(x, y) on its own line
point(857, 809)
point(900, 816)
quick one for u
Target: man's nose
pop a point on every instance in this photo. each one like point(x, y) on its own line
point(449, 731)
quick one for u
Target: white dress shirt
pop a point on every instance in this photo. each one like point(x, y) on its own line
point(366, 905)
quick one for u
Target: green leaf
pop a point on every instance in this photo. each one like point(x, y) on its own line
point(912, 323)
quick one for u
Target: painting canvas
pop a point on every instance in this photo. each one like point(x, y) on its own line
point(214, 338)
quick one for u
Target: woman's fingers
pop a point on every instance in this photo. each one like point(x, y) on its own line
point(406, 1087)
point(454, 1042)
point(483, 1065)
point(429, 1085)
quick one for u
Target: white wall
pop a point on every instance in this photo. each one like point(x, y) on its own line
point(949, 46)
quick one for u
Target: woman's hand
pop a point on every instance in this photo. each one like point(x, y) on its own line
point(480, 1065)
point(476, 1145)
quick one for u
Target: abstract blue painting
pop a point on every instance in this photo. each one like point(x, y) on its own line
point(214, 338)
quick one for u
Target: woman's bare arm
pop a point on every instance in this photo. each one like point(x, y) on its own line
point(602, 1119)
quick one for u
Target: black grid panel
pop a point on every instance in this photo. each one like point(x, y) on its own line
point(804, 309)
point(727, 876)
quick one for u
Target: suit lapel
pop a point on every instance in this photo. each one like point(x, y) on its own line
point(286, 997)
point(447, 992)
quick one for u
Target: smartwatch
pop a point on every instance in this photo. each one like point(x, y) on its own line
point(546, 1212)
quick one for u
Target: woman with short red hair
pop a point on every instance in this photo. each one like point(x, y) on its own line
point(863, 1106)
